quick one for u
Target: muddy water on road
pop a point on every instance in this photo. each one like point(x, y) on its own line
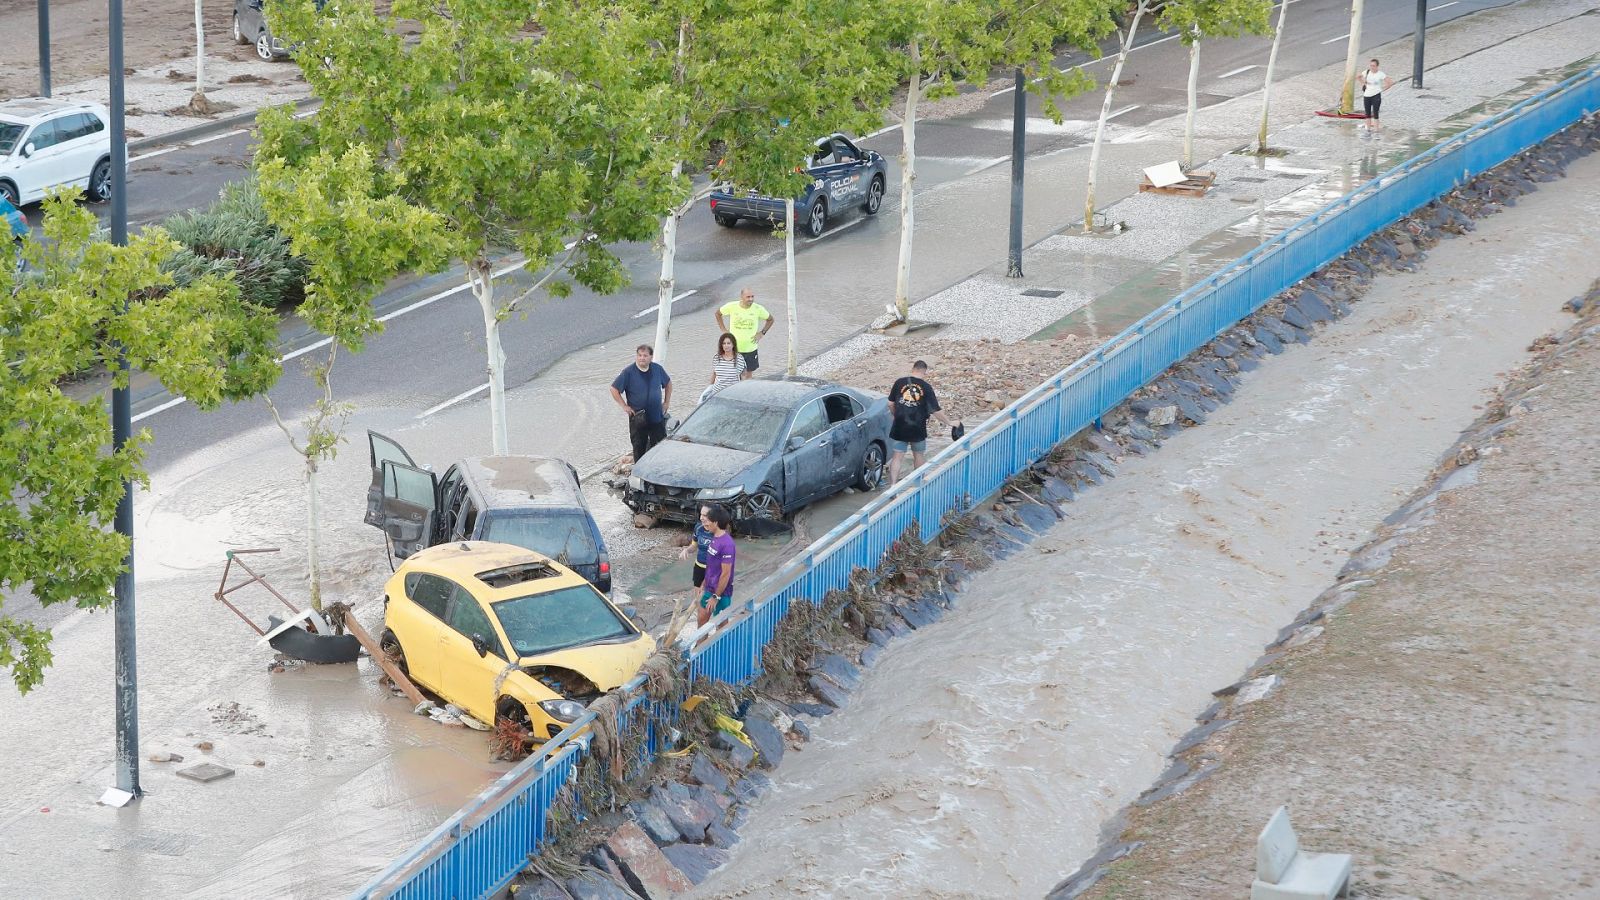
point(983, 754)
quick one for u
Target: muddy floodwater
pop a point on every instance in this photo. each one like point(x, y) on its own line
point(983, 753)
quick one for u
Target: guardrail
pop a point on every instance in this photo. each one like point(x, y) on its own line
point(482, 847)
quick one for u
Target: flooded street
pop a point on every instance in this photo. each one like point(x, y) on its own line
point(983, 754)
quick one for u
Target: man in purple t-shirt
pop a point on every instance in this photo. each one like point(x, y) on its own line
point(718, 588)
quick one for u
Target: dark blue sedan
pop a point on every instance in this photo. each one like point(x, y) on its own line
point(842, 176)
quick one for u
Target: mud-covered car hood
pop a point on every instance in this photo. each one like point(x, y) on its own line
point(686, 465)
point(609, 666)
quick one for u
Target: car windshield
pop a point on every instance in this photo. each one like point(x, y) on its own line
point(561, 619)
point(735, 425)
point(10, 133)
point(563, 536)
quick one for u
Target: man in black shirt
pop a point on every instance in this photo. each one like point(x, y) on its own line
point(912, 401)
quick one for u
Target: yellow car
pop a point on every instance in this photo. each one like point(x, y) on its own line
point(506, 633)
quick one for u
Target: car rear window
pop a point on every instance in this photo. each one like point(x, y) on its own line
point(565, 537)
point(561, 619)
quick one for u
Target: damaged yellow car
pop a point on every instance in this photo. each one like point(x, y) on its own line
point(507, 634)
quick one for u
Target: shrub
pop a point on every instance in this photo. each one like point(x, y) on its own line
point(234, 235)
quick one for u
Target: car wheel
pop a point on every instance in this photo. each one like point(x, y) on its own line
point(874, 196)
point(817, 222)
point(390, 645)
point(9, 191)
point(513, 735)
point(100, 182)
point(871, 468)
point(238, 33)
point(763, 505)
point(264, 46)
point(727, 221)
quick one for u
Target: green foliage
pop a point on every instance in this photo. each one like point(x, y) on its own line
point(1200, 19)
point(82, 299)
point(234, 235)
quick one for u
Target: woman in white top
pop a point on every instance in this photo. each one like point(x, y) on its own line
point(727, 366)
point(1374, 82)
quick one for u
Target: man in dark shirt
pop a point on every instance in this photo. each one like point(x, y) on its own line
point(644, 391)
point(911, 400)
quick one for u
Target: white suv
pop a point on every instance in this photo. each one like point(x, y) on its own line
point(46, 143)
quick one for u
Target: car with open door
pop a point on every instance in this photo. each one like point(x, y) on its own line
point(843, 176)
point(764, 448)
point(535, 502)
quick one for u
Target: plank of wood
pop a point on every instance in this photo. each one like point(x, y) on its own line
point(382, 659)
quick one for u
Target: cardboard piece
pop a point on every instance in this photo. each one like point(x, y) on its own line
point(1166, 174)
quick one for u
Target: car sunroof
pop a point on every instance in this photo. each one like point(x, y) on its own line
point(518, 574)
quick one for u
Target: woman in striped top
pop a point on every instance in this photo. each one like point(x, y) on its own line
point(727, 366)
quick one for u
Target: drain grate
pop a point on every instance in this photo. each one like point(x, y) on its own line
point(1041, 292)
point(1250, 178)
point(162, 843)
point(1429, 97)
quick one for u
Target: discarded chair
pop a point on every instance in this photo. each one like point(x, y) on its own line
point(1285, 872)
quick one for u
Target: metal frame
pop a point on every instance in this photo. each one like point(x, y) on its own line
point(483, 846)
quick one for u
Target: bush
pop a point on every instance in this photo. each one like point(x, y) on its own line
point(234, 235)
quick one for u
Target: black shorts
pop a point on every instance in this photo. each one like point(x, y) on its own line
point(752, 359)
point(699, 574)
point(1371, 105)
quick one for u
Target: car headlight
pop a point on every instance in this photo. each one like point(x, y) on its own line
point(635, 483)
point(721, 493)
point(564, 710)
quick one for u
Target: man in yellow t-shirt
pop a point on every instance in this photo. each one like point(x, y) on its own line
point(743, 318)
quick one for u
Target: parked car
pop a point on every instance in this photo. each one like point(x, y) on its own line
point(250, 27)
point(842, 176)
point(16, 224)
point(534, 502)
point(48, 143)
point(764, 448)
point(506, 633)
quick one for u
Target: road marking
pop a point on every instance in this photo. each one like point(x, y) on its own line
point(217, 137)
point(986, 164)
point(1125, 109)
point(836, 229)
point(156, 152)
point(1339, 38)
point(167, 405)
point(1443, 5)
point(312, 112)
point(1239, 71)
point(884, 130)
point(657, 305)
point(452, 401)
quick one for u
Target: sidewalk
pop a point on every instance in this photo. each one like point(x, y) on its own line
point(350, 781)
point(1438, 722)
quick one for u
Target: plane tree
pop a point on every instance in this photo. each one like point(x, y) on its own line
point(1197, 20)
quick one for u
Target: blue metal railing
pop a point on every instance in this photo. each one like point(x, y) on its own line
point(483, 846)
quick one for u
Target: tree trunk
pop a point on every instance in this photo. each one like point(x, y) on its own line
point(1351, 52)
point(480, 274)
point(908, 177)
point(1105, 113)
point(313, 533)
point(1194, 101)
point(1266, 88)
point(669, 277)
point(794, 306)
point(199, 50)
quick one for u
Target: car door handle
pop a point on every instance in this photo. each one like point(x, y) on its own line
point(861, 424)
point(822, 443)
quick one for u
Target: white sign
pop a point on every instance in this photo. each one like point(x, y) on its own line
point(1168, 173)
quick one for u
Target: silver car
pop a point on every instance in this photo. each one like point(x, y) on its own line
point(764, 448)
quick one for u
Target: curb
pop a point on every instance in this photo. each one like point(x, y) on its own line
point(207, 128)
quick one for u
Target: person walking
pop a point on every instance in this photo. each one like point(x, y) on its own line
point(727, 367)
point(644, 391)
point(717, 593)
point(700, 545)
point(911, 401)
point(744, 318)
point(1374, 81)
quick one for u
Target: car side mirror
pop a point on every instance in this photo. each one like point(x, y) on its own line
point(28, 149)
point(796, 442)
point(480, 645)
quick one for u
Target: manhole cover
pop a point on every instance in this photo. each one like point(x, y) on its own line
point(205, 772)
point(1041, 292)
point(1251, 178)
point(1429, 97)
point(164, 843)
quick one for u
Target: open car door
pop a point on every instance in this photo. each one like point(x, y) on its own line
point(409, 504)
point(382, 450)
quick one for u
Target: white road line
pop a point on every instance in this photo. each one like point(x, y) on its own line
point(655, 306)
point(217, 137)
point(452, 401)
point(312, 112)
point(884, 130)
point(1443, 5)
point(1239, 71)
point(1339, 38)
point(1125, 109)
point(156, 153)
point(836, 229)
point(167, 405)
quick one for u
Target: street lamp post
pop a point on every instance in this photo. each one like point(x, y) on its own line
point(1019, 131)
point(127, 677)
point(1417, 44)
point(44, 48)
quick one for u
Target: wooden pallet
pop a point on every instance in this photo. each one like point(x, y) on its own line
point(1195, 185)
